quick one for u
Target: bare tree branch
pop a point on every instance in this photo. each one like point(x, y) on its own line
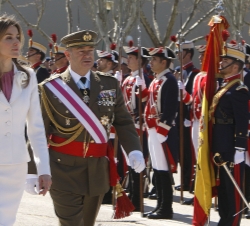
point(69, 16)
point(171, 22)
point(156, 27)
point(149, 29)
point(198, 38)
point(191, 15)
point(199, 21)
point(35, 26)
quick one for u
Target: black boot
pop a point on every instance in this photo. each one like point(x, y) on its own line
point(158, 189)
point(189, 202)
point(107, 199)
point(135, 189)
point(165, 211)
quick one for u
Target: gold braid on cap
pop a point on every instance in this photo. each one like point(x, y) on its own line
point(75, 130)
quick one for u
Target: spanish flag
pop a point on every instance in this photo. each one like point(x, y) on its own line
point(205, 179)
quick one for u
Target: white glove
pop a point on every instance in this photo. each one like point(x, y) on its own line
point(239, 157)
point(137, 161)
point(161, 138)
point(140, 82)
point(187, 123)
point(182, 87)
point(118, 76)
point(32, 184)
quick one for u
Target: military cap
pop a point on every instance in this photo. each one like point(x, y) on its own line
point(80, 38)
point(38, 46)
point(35, 45)
point(134, 51)
point(234, 51)
point(59, 49)
point(112, 56)
point(201, 48)
point(186, 45)
point(162, 52)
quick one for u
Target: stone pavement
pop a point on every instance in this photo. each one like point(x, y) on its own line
point(38, 211)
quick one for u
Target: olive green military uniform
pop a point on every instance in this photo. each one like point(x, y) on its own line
point(80, 183)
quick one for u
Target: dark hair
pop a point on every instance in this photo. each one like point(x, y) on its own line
point(144, 60)
point(240, 65)
point(167, 60)
point(191, 51)
point(5, 22)
point(42, 57)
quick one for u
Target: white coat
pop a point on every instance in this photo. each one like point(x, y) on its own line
point(23, 107)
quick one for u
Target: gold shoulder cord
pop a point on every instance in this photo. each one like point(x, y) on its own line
point(75, 130)
point(218, 95)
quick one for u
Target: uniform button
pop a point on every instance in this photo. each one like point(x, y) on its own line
point(8, 123)
point(67, 111)
point(8, 134)
point(109, 109)
point(58, 160)
point(92, 141)
point(8, 110)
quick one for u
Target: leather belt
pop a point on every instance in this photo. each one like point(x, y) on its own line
point(75, 148)
point(226, 121)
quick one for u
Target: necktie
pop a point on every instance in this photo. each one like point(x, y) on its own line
point(85, 92)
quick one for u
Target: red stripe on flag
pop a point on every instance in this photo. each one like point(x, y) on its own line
point(200, 217)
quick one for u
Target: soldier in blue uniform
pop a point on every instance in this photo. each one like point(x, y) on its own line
point(160, 113)
point(229, 114)
point(130, 93)
point(189, 72)
point(36, 55)
point(246, 77)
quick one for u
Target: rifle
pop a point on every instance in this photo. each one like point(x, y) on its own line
point(181, 38)
point(140, 106)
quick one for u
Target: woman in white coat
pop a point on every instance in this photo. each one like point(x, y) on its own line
point(19, 104)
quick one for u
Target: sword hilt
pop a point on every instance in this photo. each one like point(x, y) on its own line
point(218, 160)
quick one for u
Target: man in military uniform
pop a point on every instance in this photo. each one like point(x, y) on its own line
point(35, 55)
point(160, 113)
point(78, 107)
point(189, 73)
point(130, 93)
point(229, 114)
point(246, 77)
point(107, 62)
point(60, 59)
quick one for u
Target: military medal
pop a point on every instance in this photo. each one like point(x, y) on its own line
point(104, 120)
point(85, 96)
point(67, 122)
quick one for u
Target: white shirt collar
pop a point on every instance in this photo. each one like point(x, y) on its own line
point(77, 77)
point(110, 72)
point(134, 73)
point(162, 73)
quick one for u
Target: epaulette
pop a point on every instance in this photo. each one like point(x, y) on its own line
point(52, 77)
point(103, 74)
point(242, 86)
point(195, 70)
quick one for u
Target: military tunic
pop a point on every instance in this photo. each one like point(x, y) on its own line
point(79, 176)
point(230, 130)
